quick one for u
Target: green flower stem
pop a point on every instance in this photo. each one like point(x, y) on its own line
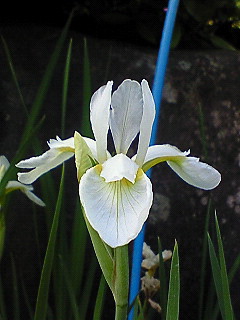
point(121, 282)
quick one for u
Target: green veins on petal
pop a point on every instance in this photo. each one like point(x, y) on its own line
point(118, 209)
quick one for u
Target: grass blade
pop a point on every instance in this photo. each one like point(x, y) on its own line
point(42, 298)
point(224, 277)
point(98, 308)
point(86, 297)
point(15, 296)
point(87, 92)
point(174, 287)
point(14, 76)
point(163, 281)
point(216, 275)
point(65, 86)
point(78, 248)
point(30, 127)
point(204, 262)
point(70, 290)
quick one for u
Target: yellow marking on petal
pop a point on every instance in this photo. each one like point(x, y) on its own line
point(66, 149)
point(155, 161)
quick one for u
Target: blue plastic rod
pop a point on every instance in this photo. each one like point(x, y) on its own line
point(157, 88)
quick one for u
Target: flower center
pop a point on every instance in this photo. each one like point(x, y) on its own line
point(119, 167)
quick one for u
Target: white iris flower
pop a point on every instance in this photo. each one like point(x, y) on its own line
point(115, 191)
point(16, 185)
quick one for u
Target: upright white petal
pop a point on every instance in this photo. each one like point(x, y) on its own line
point(126, 114)
point(116, 210)
point(196, 173)
point(146, 123)
point(99, 116)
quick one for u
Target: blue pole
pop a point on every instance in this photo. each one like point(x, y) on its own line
point(157, 95)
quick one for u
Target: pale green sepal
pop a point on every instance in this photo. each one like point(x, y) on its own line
point(103, 252)
point(83, 155)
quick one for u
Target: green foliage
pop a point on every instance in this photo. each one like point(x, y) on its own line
point(174, 287)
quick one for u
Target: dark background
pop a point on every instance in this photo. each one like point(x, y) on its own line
point(200, 24)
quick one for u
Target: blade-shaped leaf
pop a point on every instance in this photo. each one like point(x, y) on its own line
point(42, 298)
point(163, 281)
point(224, 276)
point(98, 308)
point(216, 275)
point(174, 287)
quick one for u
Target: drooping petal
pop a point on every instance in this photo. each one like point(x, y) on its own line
point(4, 165)
point(99, 116)
point(42, 164)
point(126, 114)
point(190, 169)
point(59, 143)
point(116, 210)
point(196, 173)
point(146, 123)
point(119, 167)
point(160, 153)
point(60, 151)
point(26, 189)
point(56, 146)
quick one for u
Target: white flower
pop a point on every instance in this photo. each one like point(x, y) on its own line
point(15, 185)
point(115, 192)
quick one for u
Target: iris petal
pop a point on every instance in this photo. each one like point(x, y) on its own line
point(26, 189)
point(116, 210)
point(99, 116)
point(190, 169)
point(126, 114)
point(196, 173)
point(146, 123)
point(42, 164)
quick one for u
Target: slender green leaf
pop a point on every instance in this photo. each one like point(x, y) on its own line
point(78, 248)
point(174, 287)
point(99, 304)
point(219, 42)
point(163, 282)
point(14, 76)
point(70, 290)
point(204, 256)
point(65, 87)
point(15, 296)
point(87, 92)
point(86, 299)
point(30, 127)
point(42, 298)
point(26, 300)
point(224, 277)
point(216, 271)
